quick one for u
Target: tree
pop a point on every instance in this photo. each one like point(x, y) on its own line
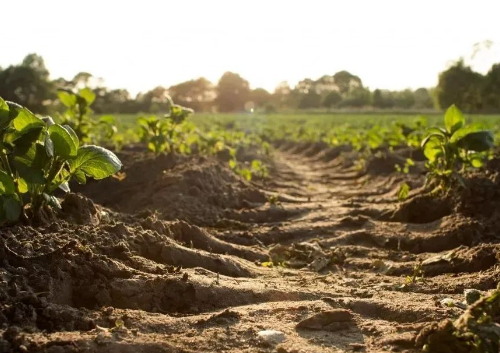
point(378, 99)
point(310, 100)
point(491, 91)
point(404, 99)
point(232, 93)
point(196, 94)
point(423, 99)
point(154, 101)
point(260, 97)
point(27, 84)
point(357, 98)
point(114, 101)
point(346, 82)
point(82, 79)
point(461, 86)
point(332, 99)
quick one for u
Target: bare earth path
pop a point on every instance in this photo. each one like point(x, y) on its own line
point(341, 256)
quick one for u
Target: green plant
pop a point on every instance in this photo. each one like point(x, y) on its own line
point(405, 168)
point(451, 150)
point(418, 274)
point(403, 192)
point(165, 134)
point(274, 200)
point(78, 116)
point(258, 169)
point(38, 156)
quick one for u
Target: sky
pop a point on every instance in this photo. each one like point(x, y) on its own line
point(138, 45)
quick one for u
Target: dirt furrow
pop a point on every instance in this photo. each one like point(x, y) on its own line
point(192, 258)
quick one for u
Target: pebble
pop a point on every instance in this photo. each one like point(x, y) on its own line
point(271, 337)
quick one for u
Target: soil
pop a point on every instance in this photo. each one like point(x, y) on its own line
point(178, 254)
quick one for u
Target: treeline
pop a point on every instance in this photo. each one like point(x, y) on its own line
point(29, 84)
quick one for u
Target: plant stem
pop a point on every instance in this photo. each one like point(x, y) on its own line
point(6, 165)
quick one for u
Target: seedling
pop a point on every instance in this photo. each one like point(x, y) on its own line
point(259, 169)
point(418, 274)
point(78, 116)
point(405, 168)
point(165, 135)
point(274, 200)
point(403, 192)
point(451, 150)
point(38, 156)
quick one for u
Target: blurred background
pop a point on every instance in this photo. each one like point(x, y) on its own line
point(254, 56)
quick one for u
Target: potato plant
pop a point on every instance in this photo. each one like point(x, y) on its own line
point(257, 169)
point(450, 151)
point(166, 134)
point(38, 156)
point(78, 116)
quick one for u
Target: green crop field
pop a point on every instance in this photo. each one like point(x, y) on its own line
point(328, 119)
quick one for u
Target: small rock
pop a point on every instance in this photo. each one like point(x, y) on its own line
point(271, 337)
point(319, 263)
point(447, 302)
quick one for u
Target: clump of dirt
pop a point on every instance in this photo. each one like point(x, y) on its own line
point(481, 192)
point(306, 255)
point(195, 189)
point(49, 271)
point(476, 330)
point(420, 209)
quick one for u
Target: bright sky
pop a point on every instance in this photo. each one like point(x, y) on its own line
point(138, 45)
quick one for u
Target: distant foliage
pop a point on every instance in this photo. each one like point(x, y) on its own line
point(29, 83)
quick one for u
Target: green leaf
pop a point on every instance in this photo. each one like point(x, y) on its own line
point(87, 94)
point(22, 186)
point(65, 145)
point(434, 132)
point(476, 159)
point(479, 141)
point(95, 161)
point(14, 109)
point(4, 114)
point(474, 127)
point(143, 122)
point(246, 174)
point(107, 119)
point(433, 149)
point(23, 139)
point(73, 135)
point(453, 119)
point(26, 121)
point(80, 177)
point(31, 162)
point(67, 98)
point(10, 207)
point(403, 192)
point(7, 185)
